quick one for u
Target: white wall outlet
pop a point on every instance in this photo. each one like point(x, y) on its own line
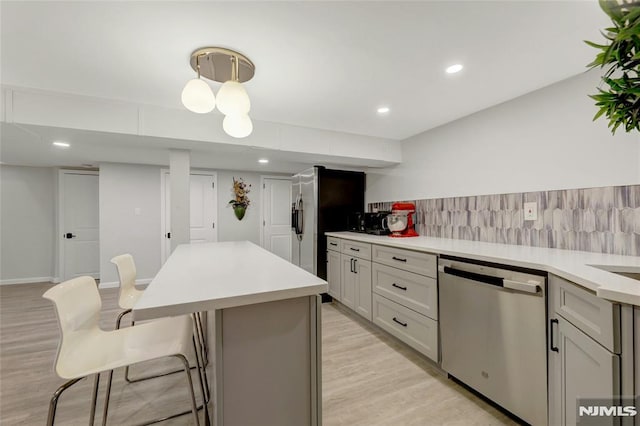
point(531, 211)
point(137, 211)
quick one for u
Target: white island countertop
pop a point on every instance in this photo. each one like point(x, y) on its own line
point(210, 276)
point(590, 270)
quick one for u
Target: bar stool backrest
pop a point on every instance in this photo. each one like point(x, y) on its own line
point(77, 303)
point(127, 273)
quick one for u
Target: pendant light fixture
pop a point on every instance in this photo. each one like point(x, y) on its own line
point(228, 67)
point(197, 96)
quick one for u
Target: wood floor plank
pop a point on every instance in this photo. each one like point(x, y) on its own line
point(369, 378)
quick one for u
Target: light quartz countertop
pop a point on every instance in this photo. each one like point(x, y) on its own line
point(210, 276)
point(593, 271)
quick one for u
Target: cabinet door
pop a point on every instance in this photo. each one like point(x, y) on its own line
point(363, 288)
point(348, 282)
point(334, 274)
point(580, 368)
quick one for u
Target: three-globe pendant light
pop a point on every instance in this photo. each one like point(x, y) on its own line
point(223, 65)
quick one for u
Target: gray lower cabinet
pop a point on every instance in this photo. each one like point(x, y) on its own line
point(405, 299)
point(579, 368)
point(583, 341)
point(363, 287)
point(334, 274)
point(348, 282)
point(356, 284)
point(416, 330)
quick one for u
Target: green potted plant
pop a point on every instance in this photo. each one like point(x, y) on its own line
point(240, 200)
point(619, 100)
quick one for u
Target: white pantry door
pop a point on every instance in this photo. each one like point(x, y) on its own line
point(203, 210)
point(276, 215)
point(79, 224)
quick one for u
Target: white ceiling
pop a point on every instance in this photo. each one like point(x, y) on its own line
point(325, 65)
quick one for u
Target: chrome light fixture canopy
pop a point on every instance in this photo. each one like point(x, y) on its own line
point(217, 64)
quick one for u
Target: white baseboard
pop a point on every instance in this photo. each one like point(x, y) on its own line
point(29, 280)
point(113, 284)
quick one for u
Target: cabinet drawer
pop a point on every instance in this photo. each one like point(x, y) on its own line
point(356, 249)
point(414, 291)
point(418, 331)
point(596, 317)
point(412, 261)
point(333, 243)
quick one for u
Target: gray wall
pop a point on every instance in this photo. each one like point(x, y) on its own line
point(540, 141)
point(123, 189)
point(27, 223)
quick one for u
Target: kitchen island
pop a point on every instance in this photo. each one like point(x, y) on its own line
point(263, 329)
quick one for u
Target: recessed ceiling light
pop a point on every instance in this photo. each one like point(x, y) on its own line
point(61, 144)
point(454, 69)
point(383, 110)
point(263, 161)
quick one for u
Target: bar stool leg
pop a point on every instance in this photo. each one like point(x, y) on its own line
point(53, 404)
point(187, 370)
point(199, 348)
point(106, 399)
point(94, 399)
point(202, 378)
point(201, 336)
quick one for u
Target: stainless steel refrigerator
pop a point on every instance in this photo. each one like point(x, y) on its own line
point(324, 200)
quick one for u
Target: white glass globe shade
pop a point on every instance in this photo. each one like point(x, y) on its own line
point(233, 99)
point(237, 125)
point(198, 97)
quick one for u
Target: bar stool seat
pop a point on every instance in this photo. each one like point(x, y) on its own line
point(85, 349)
point(97, 350)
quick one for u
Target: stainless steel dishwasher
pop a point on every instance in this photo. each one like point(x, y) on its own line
point(493, 333)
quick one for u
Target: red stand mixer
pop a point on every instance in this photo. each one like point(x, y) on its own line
point(400, 221)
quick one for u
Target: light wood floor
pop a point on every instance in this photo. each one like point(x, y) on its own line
point(369, 378)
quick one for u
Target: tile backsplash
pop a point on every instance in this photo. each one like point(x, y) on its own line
point(604, 220)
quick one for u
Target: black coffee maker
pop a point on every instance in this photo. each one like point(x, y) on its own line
point(376, 223)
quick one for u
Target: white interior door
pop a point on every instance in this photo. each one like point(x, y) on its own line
point(79, 224)
point(276, 215)
point(203, 210)
point(202, 207)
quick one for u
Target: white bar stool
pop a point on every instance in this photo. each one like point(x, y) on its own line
point(127, 298)
point(85, 349)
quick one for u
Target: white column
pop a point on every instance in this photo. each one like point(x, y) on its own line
point(179, 170)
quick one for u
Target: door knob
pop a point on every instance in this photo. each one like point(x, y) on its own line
point(69, 235)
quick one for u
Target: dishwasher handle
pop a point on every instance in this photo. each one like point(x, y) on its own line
point(473, 276)
point(528, 287)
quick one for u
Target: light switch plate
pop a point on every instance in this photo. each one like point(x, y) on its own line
point(531, 211)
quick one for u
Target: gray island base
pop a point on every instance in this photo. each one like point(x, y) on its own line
point(263, 329)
